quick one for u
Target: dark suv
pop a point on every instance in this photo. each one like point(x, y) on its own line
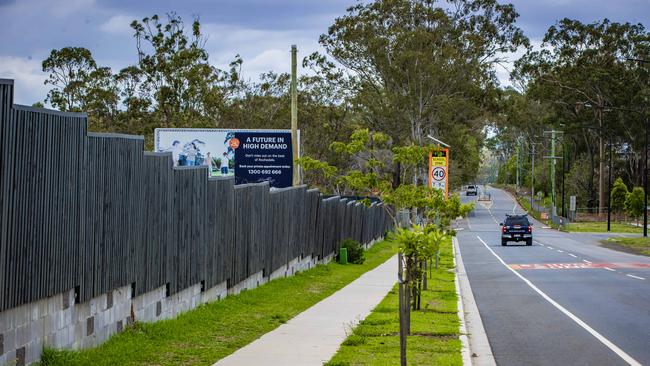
point(516, 228)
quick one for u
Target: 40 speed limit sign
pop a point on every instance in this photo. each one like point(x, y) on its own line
point(439, 170)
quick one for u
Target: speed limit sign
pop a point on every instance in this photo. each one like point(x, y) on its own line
point(438, 174)
point(438, 167)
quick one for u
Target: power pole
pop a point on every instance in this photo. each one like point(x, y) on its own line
point(564, 166)
point(645, 180)
point(294, 114)
point(532, 181)
point(517, 186)
point(609, 185)
point(553, 158)
point(553, 169)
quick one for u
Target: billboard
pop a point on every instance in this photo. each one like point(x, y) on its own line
point(439, 170)
point(251, 156)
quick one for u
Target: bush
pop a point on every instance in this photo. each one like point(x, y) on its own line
point(356, 253)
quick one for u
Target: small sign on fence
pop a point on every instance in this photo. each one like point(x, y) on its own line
point(572, 203)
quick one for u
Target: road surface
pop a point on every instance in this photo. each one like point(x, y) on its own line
point(563, 301)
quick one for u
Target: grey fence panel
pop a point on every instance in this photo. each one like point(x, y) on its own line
point(277, 238)
point(95, 212)
point(225, 224)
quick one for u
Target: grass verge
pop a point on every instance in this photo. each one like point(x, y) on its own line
point(215, 330)
point(630, 245)
point(434, 329)
point(601, 227)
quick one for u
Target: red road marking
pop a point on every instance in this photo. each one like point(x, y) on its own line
point(579, 265)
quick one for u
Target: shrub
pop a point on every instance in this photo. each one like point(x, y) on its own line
point(356, 253)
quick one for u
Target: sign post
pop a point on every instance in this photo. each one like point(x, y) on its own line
point(439, 170)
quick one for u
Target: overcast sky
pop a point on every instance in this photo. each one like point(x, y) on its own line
point(261, 31)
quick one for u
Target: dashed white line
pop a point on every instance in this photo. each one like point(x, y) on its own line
point(627, 358)
point(573, 255)
point(560, 251)
point(551, 248)
point(586, 261)
point(609, 269)
point(637, 277)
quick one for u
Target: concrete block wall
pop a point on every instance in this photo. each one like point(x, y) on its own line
point(59, 322)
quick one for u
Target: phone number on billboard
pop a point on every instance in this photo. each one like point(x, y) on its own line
point(265, 171)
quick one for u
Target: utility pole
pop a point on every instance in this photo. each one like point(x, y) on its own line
point(645, 180)
point(518, 165)
point(294, 114)
point(554, 158)
point(609, 185)
point(553, 169)
point(564, 166)
point(532, 181)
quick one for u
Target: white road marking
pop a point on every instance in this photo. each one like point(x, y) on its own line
point(560, 251)
point(551, 248)
point(637, 277)
point(573, 255)
point(586, 261)
point(627, 358)
point(609, 269)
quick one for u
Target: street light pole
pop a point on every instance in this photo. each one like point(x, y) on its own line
point(609, 185)
point(645, 162)
point(645, 180)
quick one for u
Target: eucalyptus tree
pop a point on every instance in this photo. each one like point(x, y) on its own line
point(425, 67)
point(584, 72)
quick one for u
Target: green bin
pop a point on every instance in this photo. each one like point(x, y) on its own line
point(343, 256)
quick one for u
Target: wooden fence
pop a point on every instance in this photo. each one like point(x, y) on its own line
point(95, 212)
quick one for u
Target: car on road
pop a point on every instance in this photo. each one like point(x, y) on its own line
point(516, 228)
point(472, 190)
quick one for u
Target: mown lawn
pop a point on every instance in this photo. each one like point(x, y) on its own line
point(215, 330)
point(434, 329)
point(601, 227)
point(630, 245)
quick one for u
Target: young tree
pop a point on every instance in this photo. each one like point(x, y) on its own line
point(619, 195)
point(635, 203)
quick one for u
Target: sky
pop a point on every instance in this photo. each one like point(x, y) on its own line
point(261, 31)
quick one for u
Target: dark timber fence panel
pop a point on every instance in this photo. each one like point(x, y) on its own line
point(95, 212)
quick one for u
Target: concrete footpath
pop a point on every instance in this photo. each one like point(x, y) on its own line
point(314, 336)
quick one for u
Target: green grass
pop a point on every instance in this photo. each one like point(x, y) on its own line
point(215, 330)
point(638, 245)
point(434, 329)
point(601, 227)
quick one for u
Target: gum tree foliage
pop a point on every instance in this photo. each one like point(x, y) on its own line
point(582, 73)
point(426, 67)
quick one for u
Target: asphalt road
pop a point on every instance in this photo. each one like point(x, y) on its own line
point(563, 301)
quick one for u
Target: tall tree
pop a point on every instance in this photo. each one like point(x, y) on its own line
point(425, 67)
point(582, 69)
point(69, 69)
